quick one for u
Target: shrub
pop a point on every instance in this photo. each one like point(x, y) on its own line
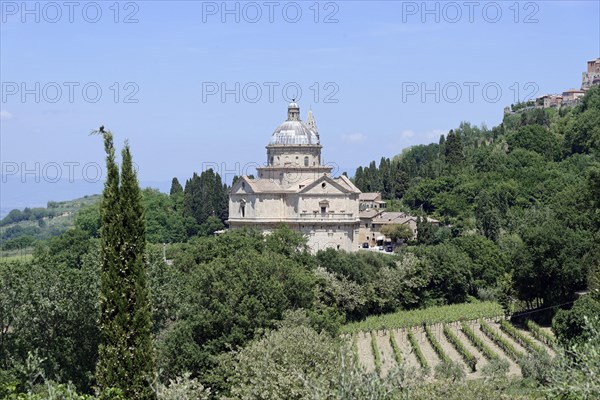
point(469, 358)
point(496, 369)
point(450, 370)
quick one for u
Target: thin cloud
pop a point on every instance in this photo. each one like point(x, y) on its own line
point(354, 138)
point(5, 114)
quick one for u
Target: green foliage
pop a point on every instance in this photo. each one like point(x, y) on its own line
point(574, 372)
point(231, 286)
point(395, 348)
point(428, 316)
point(454, 150)
point(182, 387)
point(537, 365)
point(520, 338)
point(450, 271)
point(126, 353)
point(540, 334)
point(487, 262)
point(437, 347)
point(478, 343)
point(583, 131)
point(417, 349)
point(397, 232)
point(425, 231)
point(496, 369)
point(88, 220)
point(535, 138)
point(569, 325)
point(68, 249)
point(466, 355)
point(176, 187)
point(204, 195)
point(504, 344)
point(163, 218)
point(449, 370)
point(549, 265)
point(375, 351)
point(295, 362)
point(50, 311)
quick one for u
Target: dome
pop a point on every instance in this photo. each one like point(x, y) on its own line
point(293, 133)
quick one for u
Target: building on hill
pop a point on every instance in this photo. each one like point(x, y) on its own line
point(572, 94)
point(373, 219)
point(294, 188)
point(370, 200)
point(568, 98)
point(592, 76)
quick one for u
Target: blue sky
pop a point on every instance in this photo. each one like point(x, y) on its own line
point(358, 66)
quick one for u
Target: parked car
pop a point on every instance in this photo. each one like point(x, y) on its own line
point(365, 245)
point(389, 248)
point(381, 248)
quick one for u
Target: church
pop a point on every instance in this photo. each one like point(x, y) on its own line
point(294, 188)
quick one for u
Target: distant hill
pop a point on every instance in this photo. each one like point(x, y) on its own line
point(19, 229)
point(18, 192)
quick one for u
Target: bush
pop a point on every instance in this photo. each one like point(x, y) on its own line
point(182, 387)
point(568, 325)
point(496, 369)
point(537, 366)
point(450, 370)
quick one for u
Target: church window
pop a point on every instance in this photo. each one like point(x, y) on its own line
point(306, 161)
point(323, 185)
point(323, 209)
point(243, 209)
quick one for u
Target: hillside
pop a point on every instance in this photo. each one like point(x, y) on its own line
point(20, 229)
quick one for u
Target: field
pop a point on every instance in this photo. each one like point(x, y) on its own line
point(471, 343)
point(430, 316)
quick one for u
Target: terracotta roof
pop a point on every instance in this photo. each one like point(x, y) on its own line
point(368, 213)
point(370, 196)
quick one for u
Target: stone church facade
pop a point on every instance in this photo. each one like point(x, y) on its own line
point(294, 188)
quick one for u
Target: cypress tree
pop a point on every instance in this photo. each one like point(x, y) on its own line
point(126, 360)
point(454, 150)
point(175, 187)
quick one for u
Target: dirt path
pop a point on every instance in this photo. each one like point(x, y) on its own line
point(409, 359)
point(543, 345)
point(481, 360)
point(507, 337)
point(452, 353)
point(408, 355)
point(426, 349)
point(387, 354)
point(365, 354)
point(514, 369)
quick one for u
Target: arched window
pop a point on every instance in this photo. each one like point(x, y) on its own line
point(306, 161)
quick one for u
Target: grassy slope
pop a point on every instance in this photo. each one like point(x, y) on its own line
point(64, 219)
point(432, 315)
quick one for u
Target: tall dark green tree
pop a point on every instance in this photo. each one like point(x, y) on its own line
point(175, 187)
point(454, 151)
point(126, 359)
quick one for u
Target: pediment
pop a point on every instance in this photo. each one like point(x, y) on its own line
point(242, 186)
point(324, 185)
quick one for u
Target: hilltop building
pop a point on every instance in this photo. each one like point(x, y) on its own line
point(570, 97)
point(296, 189)
point(592, 76)
point(373, 218)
